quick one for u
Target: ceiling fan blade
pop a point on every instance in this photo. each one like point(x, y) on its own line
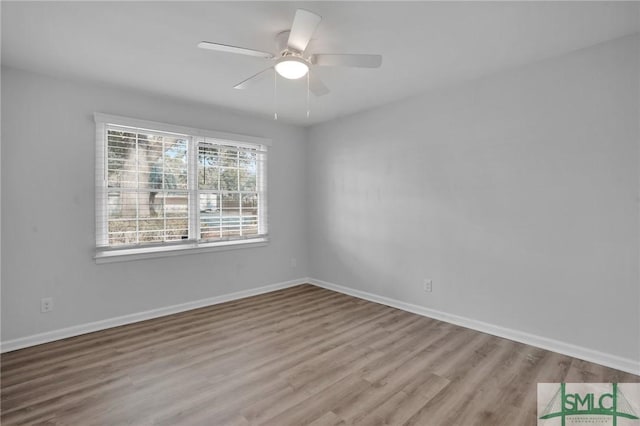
point(316, 85)
point(304, 25)
point(233, 49)
point(253, 79)
point(347, 60)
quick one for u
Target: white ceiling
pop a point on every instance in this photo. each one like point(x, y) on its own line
point(151, 46)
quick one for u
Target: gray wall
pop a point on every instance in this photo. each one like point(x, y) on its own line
point(48, 225)
point(517, 194)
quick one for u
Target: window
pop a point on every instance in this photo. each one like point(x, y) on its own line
point(163, 188)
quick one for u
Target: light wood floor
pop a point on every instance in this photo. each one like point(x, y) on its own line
point(299, 356)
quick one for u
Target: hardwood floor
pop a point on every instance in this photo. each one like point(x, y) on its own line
point(300, 356)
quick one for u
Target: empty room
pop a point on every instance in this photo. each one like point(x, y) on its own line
point(320, 213)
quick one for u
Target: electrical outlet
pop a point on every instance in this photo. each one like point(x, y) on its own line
point(294, 263)
point(46, 304)
point(427, 285)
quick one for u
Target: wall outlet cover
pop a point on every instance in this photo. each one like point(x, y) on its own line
point(46, 304)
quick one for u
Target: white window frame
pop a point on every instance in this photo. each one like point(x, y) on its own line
point(105, 254)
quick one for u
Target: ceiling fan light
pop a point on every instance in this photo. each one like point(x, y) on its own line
point(292, 67)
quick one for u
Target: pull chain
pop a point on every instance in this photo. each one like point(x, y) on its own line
point(275, 95)
point(308, 109)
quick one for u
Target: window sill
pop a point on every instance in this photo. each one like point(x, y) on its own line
point(178, 250)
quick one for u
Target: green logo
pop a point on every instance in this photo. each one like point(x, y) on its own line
point(588, 401)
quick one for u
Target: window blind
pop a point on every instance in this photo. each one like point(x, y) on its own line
point(164, 188)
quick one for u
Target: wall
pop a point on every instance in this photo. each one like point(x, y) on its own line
point(48, 224)
point(516, 193)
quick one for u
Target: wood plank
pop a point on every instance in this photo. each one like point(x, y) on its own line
point(302, 355)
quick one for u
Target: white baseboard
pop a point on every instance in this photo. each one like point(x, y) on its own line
point(76, 330)
point(608, 360)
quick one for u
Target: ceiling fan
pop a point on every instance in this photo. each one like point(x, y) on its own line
point(293, 61)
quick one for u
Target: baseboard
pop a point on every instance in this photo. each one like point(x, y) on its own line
point(50, 336)
point(608, 360)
